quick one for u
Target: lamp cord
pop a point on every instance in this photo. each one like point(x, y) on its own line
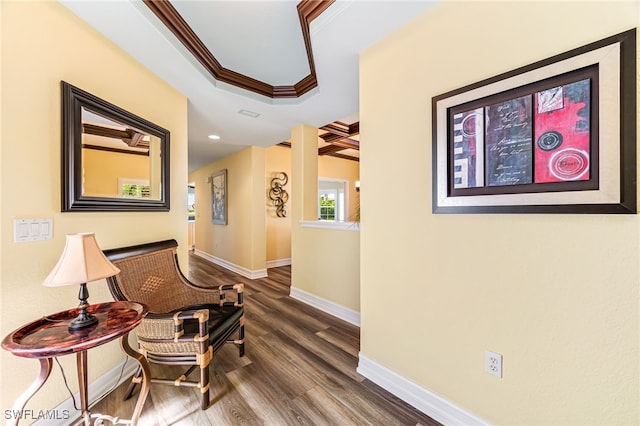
point(64, 377)
point(73, 398)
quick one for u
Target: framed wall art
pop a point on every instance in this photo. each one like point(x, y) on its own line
point(557, 136)
point(219, 198)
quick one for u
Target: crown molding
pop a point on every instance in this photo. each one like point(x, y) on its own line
point(308, 10)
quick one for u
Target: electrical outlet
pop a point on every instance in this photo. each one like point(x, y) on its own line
point(493, 363)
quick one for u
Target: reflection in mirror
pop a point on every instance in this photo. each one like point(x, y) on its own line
point(113, 160)
point(119, 161)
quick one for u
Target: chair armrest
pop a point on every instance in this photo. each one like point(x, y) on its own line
point(238, 290)
point(171, 325)
point(198, 295)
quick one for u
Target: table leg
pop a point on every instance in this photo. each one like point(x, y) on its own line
point(18, 406)
point(146, 376)
point(81, 361)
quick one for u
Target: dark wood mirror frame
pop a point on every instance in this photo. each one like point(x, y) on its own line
point(73, 100)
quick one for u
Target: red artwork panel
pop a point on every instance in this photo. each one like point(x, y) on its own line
point(562, 127)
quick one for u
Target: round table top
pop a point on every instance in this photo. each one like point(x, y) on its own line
point(50, 336)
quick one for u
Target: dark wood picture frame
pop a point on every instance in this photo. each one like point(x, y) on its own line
point(74, 100)
point(604, 180)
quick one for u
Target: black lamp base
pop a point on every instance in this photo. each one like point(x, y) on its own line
point(84, 319)
point(82, 322)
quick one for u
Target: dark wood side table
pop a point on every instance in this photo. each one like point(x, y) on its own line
point(49, 337)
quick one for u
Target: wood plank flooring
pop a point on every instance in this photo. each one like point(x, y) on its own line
point(299, 369)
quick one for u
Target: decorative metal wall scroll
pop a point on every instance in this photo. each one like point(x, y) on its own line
point(278, 195)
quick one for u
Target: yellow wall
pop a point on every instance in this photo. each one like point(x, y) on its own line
point(278, 228)
point(324, 262)
point(103, 168)
point(43, 43)
point(223, 242)
point(557, 295)
point(242, 241)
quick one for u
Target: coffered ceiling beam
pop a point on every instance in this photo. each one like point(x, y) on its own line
point(337, 141)
point(343, 156)
point(128, 136)
point(347, 143)
point(337, 128)
point(325, 150)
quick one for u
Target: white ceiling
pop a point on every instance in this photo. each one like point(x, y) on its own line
point(262, 40)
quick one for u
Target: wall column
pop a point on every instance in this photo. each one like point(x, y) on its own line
point(336, 287)
point(258, 236)
point(304, 171)
point(304, 190)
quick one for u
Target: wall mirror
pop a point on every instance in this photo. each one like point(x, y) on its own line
point(112, 159)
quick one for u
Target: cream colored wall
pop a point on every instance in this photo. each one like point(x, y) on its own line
point(243, 240)
point(557, 295)
point(278, 228)
point(43, 43)
point(103, 168)
point(324, 262)
point(347, 170)
point(2, 234)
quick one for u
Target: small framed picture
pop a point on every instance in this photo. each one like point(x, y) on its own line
point(219, 198)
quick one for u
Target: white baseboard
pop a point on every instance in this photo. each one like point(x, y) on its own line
point(247, 273)
point(97, 390)
point(327, 306)
point(423, 399)
point(279, 262)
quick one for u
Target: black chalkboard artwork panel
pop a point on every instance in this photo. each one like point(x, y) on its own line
point(509, 142)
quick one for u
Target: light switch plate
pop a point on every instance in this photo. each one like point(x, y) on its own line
point(25, 230)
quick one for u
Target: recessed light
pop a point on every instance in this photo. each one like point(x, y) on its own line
point(214, 137)
point(249, 113)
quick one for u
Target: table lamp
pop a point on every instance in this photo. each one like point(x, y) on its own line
point(82, 261)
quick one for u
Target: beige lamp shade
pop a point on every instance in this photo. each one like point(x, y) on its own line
point(82, 261)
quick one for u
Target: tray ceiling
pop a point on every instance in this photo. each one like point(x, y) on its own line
point(252, 70)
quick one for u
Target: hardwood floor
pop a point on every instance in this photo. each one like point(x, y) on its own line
point(299, 369)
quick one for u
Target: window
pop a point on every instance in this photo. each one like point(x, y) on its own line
point(331, 200)
point(327, 207)
point(134, 188)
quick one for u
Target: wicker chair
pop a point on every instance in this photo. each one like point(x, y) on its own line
point(186, 324)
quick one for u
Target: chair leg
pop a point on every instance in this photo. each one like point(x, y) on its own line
point(241, 339)
point(132, 386)
point(204, 381)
